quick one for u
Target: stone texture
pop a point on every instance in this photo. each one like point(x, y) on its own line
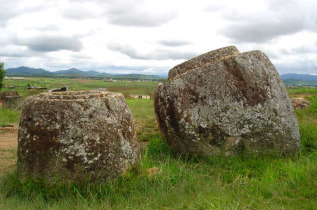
point(300, 103)
point(223, 102)
point(76, 134)
point(12, 102)
point(8, 93)
point(203, 60)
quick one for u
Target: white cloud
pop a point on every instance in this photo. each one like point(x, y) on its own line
point(152, 36)
point(81, 10)
point(14, 8)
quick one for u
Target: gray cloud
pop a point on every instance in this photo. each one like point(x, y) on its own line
point(8, 10)
point(304, 50)
point(14, 51)
point(261, 30)
point(120, 12)
point(48, 27)
point(155, 55)
point(131, 13)
point(173, 43)
point(301, 50)
point(6, 38)
point(51, 43)
point(282, 18)
point(305, 66)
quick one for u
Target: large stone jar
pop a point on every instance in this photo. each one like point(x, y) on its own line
point(76, 135)
point(225, 102)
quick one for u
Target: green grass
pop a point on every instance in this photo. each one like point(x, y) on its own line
point(143, 114)
point(267, 182)
point(8, 116)
point(230, 183)
point(122, 86)
point(292, 92)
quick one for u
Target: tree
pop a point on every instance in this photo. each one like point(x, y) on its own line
point(2, 71)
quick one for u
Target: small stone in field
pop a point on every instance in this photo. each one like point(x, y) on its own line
point(300, 103)
point(12, 102)
point(8, 93)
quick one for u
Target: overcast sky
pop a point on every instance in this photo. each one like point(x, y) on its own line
point(152, 36)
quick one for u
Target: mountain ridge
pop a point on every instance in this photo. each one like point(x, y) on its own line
point(305, 77)
point(74, 72)
point(289, 78)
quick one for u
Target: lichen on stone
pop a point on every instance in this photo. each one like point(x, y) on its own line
point(77, 134)
point(223, 102)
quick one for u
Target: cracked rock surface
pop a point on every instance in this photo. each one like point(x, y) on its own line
point(77, 134)
point(224, 102)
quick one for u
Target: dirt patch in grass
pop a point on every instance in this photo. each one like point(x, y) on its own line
point(7, 161)
point(9, 137)
point(8, 145)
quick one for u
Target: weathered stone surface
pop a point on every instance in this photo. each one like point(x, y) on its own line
point(300, 103)
point(12, 102)
point(76, 134)
point(8, 93)
point(203, 60)
point(224, 102)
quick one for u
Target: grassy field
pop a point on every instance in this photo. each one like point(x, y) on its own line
point(8, 116)
point(122, 86)
point(268, 182)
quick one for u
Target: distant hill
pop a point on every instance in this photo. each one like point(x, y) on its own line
point(305, 77)
point(73, 72)
point(26, 71)
point(299, 79)
point(294, 82)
